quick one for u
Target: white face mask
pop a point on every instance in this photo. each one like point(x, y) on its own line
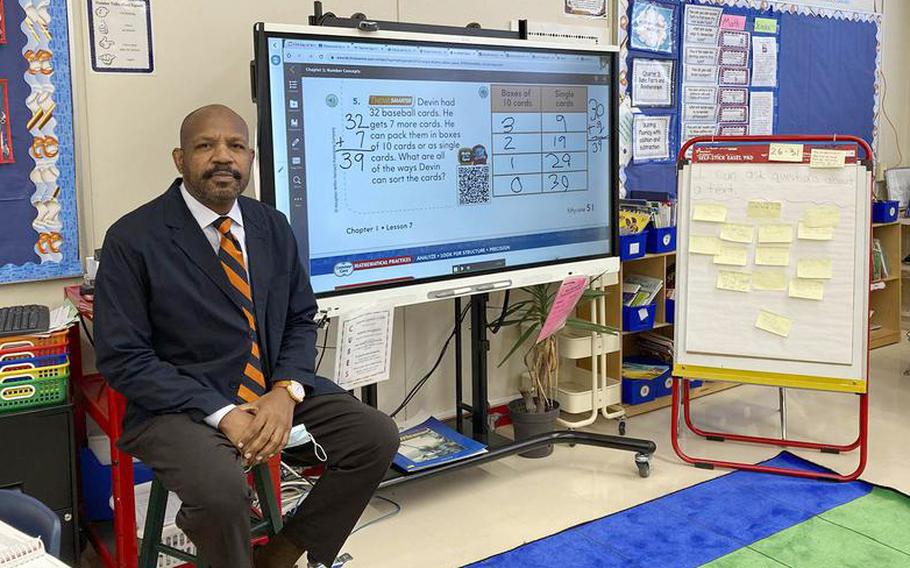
point(300, 436)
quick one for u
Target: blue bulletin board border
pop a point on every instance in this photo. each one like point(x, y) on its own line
point(70, 263)
point(801, 31)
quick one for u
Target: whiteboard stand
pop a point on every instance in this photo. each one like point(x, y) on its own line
point(734, 171)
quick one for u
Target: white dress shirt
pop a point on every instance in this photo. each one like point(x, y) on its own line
point(206, 219)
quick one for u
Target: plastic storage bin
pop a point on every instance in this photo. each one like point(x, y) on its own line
point(663, 386)
point(661, 240)
point(31, 346)
point(96, 484)
point(633, 246)
point(23, 385)
point(659, 386)
point(637, 391)
point(670, 310)
point(885, 211)
point(638, 318)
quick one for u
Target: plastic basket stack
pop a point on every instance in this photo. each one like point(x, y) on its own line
point(34, 370)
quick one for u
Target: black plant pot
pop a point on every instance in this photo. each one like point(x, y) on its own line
point(530, 424)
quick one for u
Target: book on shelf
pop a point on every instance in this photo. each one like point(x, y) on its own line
point(656, 346)
point(432, 444)
point(879, 261)
point(660, 213)
point(647, 291)
point(646, 371)
point(629, 290)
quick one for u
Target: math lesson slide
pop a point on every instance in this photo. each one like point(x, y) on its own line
point(432, 173)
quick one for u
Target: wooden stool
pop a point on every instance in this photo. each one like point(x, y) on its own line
point(152, 546)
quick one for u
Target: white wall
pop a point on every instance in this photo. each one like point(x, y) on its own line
point(128, 125)
point(896, 74)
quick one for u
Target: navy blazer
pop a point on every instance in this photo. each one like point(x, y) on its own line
point(169, 331)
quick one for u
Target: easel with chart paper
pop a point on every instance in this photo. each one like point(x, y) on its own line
point(773, 273)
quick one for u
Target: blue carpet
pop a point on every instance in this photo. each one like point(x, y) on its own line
point(691, 527)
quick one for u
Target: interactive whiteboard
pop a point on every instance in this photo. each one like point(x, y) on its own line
point(410, 164)
point(773, 268)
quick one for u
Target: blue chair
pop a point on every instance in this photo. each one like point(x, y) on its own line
point(29, 515)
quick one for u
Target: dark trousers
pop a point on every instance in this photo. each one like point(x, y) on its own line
point(203, 468)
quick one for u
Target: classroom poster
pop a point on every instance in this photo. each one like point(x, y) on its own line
point(38, 221)
point(120, 36)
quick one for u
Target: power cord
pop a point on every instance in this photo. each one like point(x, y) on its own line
point(327, 323)
point(416, 388)
point(381, 518)
point(88, 335)
point(297, 487)
point(497, 325)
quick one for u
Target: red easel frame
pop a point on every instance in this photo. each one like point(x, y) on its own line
point(681, 391)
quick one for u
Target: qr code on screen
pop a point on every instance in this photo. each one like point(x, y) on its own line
point(473, 185)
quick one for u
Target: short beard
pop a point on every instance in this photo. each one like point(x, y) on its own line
point(213, 195)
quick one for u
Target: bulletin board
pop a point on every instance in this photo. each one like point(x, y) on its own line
point(38, 218)
point(773, 270)
point(740, 67)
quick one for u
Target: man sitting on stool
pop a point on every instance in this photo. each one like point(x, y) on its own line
point(204, 320)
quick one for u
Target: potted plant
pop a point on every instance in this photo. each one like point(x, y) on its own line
point(537, 409)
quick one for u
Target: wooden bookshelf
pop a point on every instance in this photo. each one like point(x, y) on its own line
point(905, 274)
point(655, 266)
point(885, 296)
point(665, 401)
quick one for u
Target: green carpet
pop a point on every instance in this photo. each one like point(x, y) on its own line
point(870, 532)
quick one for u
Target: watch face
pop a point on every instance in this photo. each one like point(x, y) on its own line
point(296, 390)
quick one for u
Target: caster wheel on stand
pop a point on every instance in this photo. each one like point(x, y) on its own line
point(643, 461)
point(622, 427)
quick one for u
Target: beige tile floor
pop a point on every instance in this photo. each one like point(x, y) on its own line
point(462, 517)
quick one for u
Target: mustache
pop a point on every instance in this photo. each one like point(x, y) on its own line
point(213, 171)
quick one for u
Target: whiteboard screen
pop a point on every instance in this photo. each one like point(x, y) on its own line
point(772, 268)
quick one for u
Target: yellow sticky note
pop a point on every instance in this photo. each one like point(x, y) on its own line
point(769, 280)
point(814, 233)
point(773, 323)
point(772, 256)
point(821, 216)
point(807, 289)
point(732, 255)
point(764, 209)
point(710, 212)
point(814, 268)
point(736, 281)
point(779, 152)
point(737, 233)
point(775, 234)
point(820, 158)
point(703, 244)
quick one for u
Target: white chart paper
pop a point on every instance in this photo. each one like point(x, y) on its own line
point(699, 94)
point(363, 351)
point(652, 82)
point(650, 139)
point(701, 74)
point(761, 114)
point(764, 61)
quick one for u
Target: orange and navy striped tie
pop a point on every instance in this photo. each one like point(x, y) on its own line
point(252, 384)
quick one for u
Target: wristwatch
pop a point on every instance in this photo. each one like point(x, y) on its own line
point(295, 389)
